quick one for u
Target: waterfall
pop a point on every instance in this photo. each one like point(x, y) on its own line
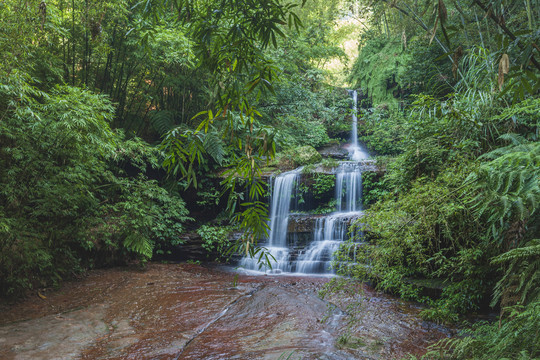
point(349, 187)
point(329, 231)
point(356, 153)
point(282, 194)
point(332, 230)
point(280, 206)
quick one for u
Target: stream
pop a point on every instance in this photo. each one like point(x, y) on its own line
point(187, 311)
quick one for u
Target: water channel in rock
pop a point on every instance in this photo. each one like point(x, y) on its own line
point(186, 311)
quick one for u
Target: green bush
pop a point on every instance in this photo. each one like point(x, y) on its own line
point(295, 131)
point(216, 239)
point(374, 188)
point(383, 130)
point(323, 184)
point(299, 156)
point(66, 200)
point(429, 233)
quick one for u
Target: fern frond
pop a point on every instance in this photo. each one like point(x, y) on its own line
point(515, 139)
point(518, 204)
point(162, 121)
point(139, 244)
point(507, 185)
point(524, 268)
point(213, 145)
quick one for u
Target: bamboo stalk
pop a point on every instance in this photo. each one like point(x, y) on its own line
point(73, 41)
point(505, 29)
point(529, 13)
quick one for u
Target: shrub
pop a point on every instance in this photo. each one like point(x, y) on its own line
point(303, 155)
point(216, 240)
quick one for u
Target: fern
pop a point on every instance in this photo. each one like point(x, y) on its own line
point(507, 186)
point(213, 146)
point(162, 121)
point(522, 277)
point(380, 63)
point(139, 244)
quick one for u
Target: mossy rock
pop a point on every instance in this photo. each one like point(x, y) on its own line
point(303, 155)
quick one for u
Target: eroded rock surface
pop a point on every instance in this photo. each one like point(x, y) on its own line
point(171, 311)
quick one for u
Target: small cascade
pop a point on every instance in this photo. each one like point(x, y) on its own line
point(356, 153)
point(348, 187)
point(282, 194)
point(329, 231)
point(279, 209)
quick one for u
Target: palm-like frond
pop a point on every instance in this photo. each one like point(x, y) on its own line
point(162, 121)
point(139, 244)
point(507, 185)
point(213, 145)
point(522, 276)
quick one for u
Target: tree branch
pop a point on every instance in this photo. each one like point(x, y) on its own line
point(419, 21)
point(504, 28)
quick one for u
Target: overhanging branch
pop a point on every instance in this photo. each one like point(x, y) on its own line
point(504, 28)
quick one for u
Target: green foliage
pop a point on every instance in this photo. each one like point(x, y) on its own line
point(327, 208)
point(374, 188)
point(423, 159)
point(383, 130)
point(317, 187)
point(142, 213)
point(208, 196)
point(508, 189)
point(216, 240)
point(67, 201)
point(301, 132)
point(323, 184)
point(298, 124)
point(427, 233)
point(515, 337)
point(51, 157)
point(378, 69)
point(299, 156)
point(521, 281)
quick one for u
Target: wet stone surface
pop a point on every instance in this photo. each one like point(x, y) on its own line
point(182, 311)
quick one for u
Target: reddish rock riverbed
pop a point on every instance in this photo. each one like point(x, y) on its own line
point(182, 311)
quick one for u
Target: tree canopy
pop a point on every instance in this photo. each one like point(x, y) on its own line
point(124, 124)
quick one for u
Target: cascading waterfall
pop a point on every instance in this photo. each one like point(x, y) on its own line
point(356, 153)
point(280, 207)
point(329, 231)
point(282, 194)
point(348, 187)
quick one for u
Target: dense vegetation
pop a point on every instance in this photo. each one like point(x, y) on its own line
point(456, 125)
point(122, 122)
point(113, 112)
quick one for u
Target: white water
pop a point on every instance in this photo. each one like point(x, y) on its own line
point(329, 231)
point(348, 187)
point(282, 193)
point(332, 230)
point(356, 153)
